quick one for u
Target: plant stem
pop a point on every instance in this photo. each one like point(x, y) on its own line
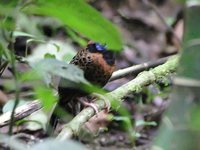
point(16, 84)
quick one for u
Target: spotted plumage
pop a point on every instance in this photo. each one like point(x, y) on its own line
point(98, 66)
point(97, 63)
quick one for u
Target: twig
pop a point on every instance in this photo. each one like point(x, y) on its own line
point(137, 68)
point(20, 112)
point(143, 79)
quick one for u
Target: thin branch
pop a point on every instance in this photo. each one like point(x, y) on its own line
point(20, 112)
point(143, 79)
point(137, 68)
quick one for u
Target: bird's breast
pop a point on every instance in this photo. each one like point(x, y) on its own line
point(97, 71)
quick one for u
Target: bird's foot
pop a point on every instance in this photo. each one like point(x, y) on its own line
point(105, 99)
point(88, 104)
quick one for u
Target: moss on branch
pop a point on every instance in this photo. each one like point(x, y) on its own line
point(143, 79)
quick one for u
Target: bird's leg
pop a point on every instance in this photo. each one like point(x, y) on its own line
point(107, 102)
point(88, 104)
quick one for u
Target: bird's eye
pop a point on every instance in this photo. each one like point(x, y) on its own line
point(100, 47)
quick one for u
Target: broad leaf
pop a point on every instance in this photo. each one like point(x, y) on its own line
point(82, 18)
point(47, 67)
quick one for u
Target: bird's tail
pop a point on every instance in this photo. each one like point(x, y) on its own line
point(63, 113)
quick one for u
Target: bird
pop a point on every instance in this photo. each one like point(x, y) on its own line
point(97, 63)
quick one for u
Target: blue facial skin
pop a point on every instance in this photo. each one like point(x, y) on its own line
point(107, 55)
point(96, 47)
point(100, 47)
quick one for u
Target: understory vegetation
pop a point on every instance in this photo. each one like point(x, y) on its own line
point(151, 101)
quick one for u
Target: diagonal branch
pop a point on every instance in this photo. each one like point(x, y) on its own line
point(29, 108)
point(138, 68)
point(143, 79)
point(72, 128)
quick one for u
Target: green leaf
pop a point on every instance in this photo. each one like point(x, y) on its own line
point(82, 18)
point(69, 72)
point(46, 96)
point(75, 37)
point(48, 55)
point(30, 75)
point(6, 7)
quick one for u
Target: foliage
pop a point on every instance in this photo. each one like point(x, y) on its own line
point(81, 21)
point(82, 18)
point(180, 126)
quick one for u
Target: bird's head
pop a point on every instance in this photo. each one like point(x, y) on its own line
point(94, 47)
